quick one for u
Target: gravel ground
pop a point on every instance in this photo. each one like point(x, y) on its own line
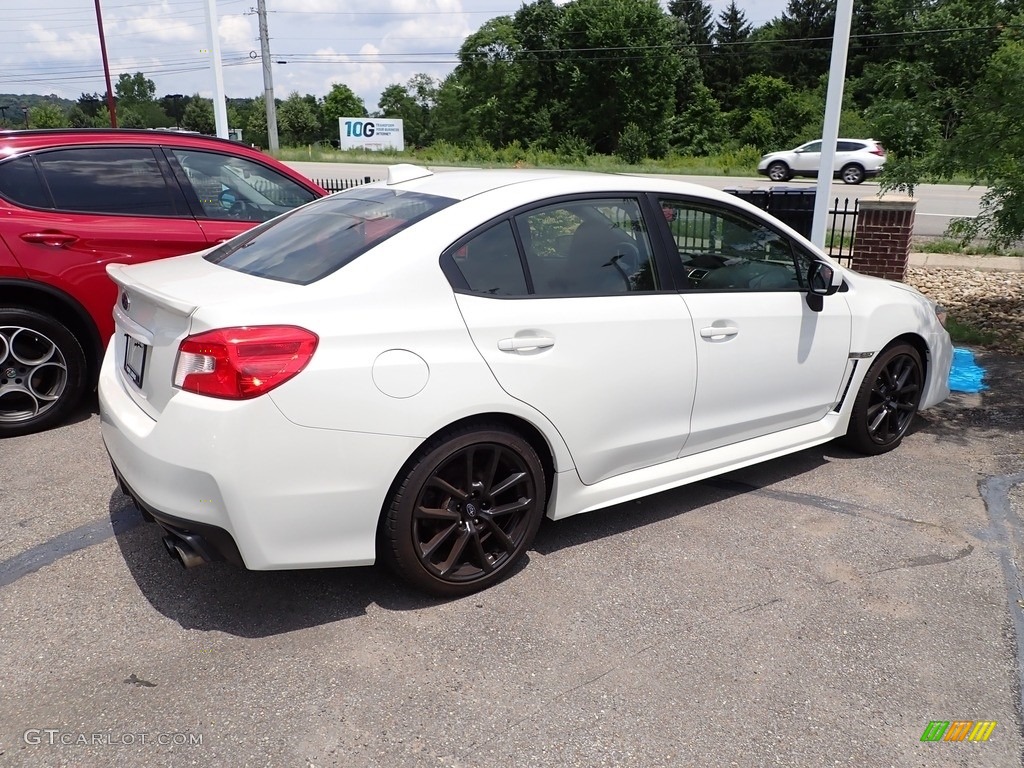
point(987, 301)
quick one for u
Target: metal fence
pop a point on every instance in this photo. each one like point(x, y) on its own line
point(794, 206)
point(842, 230)
point(337, 185)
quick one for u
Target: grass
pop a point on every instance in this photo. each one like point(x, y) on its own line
point(963, 333)
point(741, 162)
point(946, 245)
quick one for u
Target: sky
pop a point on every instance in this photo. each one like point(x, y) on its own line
point(52, 46)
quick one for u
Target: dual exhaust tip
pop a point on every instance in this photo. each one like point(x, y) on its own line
point(186, 549)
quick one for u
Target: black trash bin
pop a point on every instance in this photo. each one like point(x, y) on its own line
point(793, 206)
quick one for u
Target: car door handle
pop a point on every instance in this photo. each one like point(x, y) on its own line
point(54, 239)
point(525, 343)
point(717, 331)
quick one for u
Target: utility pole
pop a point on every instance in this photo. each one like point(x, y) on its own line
point(111, 104)
point(268, 78)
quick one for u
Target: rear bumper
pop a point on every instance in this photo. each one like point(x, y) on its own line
point(209, 542)
point(259, 490)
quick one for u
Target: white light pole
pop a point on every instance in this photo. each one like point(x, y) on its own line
point(220, 110)
point(833, 108)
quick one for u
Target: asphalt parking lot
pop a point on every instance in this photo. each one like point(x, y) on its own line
point(816, 610)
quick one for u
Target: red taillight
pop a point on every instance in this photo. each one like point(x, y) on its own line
point(878, 150)
point(242, 363)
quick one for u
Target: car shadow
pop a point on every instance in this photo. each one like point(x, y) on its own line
point(87, 409)
point(632, 515)
point(265, 603)
point(224, 598)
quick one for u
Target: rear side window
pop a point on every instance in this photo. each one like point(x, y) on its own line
point(312, 242)
point(230, 187)
point(20, 183)
point(850, 146)
point(490, 263)
point(125, 180)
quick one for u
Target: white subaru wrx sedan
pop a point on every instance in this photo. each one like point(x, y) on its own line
point(418, 370)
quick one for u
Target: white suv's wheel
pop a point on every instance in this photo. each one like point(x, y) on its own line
point(778, 171)
point(852, 174)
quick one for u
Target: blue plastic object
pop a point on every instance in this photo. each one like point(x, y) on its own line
point(966, 375)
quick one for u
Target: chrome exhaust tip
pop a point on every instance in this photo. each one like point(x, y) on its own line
point(181, 551)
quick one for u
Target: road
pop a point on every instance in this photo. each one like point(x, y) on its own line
point(938, 204)
point(818, 609)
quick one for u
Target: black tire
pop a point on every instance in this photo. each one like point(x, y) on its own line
point(42, 371)
point(887, 401)
point(779, 171)
point(464, 511)
point(852, 174)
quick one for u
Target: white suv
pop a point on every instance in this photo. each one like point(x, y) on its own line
point(856, 160)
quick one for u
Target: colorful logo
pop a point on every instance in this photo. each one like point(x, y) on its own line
point(958, 730)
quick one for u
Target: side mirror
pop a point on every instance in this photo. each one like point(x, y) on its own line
point(823, 279)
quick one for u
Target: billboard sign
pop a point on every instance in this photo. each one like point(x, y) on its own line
point(371, 133)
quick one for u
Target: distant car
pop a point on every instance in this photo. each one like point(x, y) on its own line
point(855, 160)
point(73, 201)
point(419, 370)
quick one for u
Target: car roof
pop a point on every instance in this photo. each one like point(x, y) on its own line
point(464, 184)
point(15, 141)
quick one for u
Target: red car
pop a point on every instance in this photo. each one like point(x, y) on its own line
point(72, 201)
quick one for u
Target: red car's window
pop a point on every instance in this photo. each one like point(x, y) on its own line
point(123, 180)
point(20, 183)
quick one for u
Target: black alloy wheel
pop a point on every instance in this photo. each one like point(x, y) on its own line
point(465, 512)
point(887, 401)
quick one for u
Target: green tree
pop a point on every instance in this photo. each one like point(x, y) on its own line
point(731, 60)
point(699, 128)
point(91, 103)
point(698, 20)
point(448, 118)
point(990, 144)
point(771, 113)
point(298, 120)
point(489, 80)
point(413, 104)
point(623, 69)
point(134, 89)
point(174, 106)
point(340, 101)
point(801, 41)
point(198, 116)
point(47, 116)
point(255, 128)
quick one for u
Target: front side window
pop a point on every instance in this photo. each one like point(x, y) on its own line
point(588, 248)
point(814, 146)
point(723, 250)
point(230, 187)
point(314, 241)
point(120, 180)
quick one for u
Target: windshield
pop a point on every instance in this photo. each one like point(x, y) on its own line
point(320, 238)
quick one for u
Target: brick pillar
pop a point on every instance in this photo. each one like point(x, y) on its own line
point(881, 246)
